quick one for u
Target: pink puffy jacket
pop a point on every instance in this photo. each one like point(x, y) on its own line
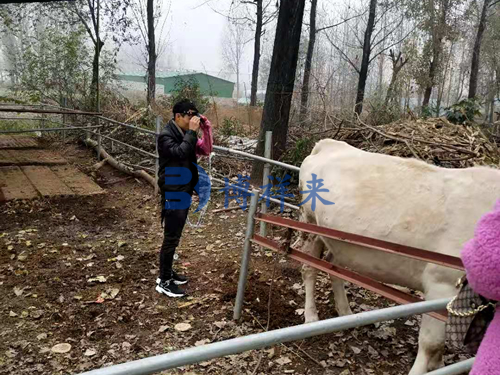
point(205, 144)
point(481, 258)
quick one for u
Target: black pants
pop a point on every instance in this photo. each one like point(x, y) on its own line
point(173, 226)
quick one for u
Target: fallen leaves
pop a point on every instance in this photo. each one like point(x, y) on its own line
point(41, 336)
point(116, 259)
point(283, 361)
point(202, 342)
point(355, 350)
point(182, 327)
point(220, 325)
point(61, 348)
point(110, 293)
point(300, 312)
point(162, 329)
point(100, 279)
point(37, 314)
point(90, 353)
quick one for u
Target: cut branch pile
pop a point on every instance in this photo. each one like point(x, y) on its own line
point(435, 140)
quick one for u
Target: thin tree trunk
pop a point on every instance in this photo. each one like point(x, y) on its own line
point(436, 53)
point(237, 83)
point(95, 74)
point(443, 83)
point(390, 90)
point(281, 81)
point(363, 73)
point(432, 75)
point(307, 69)
point(476, 52)
point(256, 56)
point(152, 54)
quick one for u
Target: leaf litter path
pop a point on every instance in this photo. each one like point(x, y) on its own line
point(77, 278)
point(27, 172)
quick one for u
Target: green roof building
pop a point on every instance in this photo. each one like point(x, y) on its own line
point(209, 85)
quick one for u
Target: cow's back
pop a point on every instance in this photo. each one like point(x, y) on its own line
point(395, 199)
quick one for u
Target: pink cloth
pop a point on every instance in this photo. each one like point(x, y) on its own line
point(204, 145)
point(481, 257)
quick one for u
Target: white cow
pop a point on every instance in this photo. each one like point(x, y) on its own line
point(399, 200)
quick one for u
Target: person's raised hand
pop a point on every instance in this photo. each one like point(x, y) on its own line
point(194, 123)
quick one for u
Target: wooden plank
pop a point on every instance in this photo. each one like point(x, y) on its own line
point(46, 181)
point(78, 182)
point(6, 158)
point(37, 157)
point(15, 185)
point(17, 142)
point(25, 142)
point(5, 141)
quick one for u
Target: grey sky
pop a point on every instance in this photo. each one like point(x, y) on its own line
point(194, 33)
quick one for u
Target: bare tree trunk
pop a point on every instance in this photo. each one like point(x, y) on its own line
point(363, 73)
point(237, 83)
point(443, 82)
point(437, 47)
point(256, 56)
point(432, 76)
point(397, 64)
point(152, 54)
point(476, 52)
point(281, 81)
point(308, 64)
point(95, 74)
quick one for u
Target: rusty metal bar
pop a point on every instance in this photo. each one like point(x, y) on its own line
point(47, 129)
point(352, 277)
point(52, 111)
point(388, 247)
point(146, 131)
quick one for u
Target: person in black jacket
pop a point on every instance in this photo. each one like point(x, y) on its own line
point(176, 149)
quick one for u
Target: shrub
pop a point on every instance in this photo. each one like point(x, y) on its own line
point(464, 111)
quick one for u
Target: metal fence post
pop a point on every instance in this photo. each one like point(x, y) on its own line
point(265, 178)
point(65, 105)
point(245, 259)
point(157, 160)
point(99, 141)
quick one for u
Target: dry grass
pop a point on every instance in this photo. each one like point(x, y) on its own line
point(250, 117)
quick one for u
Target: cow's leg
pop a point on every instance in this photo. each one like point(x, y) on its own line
point(339, 293)
point(431, 341)
point(312, 246)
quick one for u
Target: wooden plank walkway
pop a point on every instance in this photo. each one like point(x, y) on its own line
point(28, 172)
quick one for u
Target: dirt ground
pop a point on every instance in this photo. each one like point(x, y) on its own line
point(82, 271)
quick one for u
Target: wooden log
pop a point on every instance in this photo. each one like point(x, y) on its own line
point(117, 165)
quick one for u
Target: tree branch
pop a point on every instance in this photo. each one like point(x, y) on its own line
point(342, 22)
point(343, 54)
point(92, 14)
point(85, 24)
point(393, 44)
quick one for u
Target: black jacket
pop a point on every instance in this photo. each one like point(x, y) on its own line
point(177, 150)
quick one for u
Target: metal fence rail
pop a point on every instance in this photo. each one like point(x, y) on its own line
point(455, 369)
point(237, 345)
point(259, 158)
point(48, 129)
